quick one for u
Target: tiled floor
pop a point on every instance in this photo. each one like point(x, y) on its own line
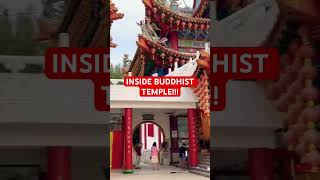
point(165, 173)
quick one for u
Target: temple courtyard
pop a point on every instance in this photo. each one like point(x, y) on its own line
point(165, 172)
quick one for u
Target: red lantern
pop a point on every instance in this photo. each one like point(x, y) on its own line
point(290, 138)
point(310, 93)
point(312, 158)
point(310, 115)
point(195, 26)
point(301, 148)
point(153, 50)
point(171, 20)
point(308, 72)
point(312, 136)
point(207, 27)
point(307, 51)
point(183, 25)
point(282, 104)
point(154, 10)
point(178, 22)
point(201, 26)
point(299, 129)
point(296, 65)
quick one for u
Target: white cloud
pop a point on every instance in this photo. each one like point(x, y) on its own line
point(125, 31)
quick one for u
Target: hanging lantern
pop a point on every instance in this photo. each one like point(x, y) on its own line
point(206, 125)
point(162, 16)
point(310, 93)
point(183, 25)
point(154, 11)
point(312, 136)
point(308, 72)
point(207, 27)
point(153, 51)
point(301, 148)
point(290, 138)
point(299, 129)
point(310, 114)
point(312, 158)
point(201, 27)
point(163, 55)
point(307, 51)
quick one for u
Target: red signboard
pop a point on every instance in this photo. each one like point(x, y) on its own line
point(82, 63)
point(240, 64)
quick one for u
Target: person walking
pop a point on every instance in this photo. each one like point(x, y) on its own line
point(138, 155)
point(154, 156)
point(182, 155)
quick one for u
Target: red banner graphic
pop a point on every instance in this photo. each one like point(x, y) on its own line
point(82, 63)
point(161, 86)
point(240, 64)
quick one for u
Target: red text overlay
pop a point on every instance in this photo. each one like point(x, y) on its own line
point(160, 86)
point(240, 64)
point(82, 63)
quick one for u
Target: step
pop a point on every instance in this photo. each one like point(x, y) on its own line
point(203, 166)
point(200, 169)
point(204, 162)
point(200, 173)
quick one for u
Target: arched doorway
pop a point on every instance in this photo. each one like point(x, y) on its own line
point(147, 133)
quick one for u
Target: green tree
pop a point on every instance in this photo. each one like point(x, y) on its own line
point(25, 32)
point(6, 33)
point(115, 72)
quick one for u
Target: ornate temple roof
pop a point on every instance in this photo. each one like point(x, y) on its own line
point(114, 15)
point(200, 7)
point(173, 20)
point(148, 49)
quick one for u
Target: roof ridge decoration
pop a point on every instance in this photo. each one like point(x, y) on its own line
point(201, 8)
point(155, 45)
point(114, 15)
point(159, 13)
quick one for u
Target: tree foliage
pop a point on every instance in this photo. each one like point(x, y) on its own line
point(115, 72)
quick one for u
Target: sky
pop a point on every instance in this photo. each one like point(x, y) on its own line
point(125, 31)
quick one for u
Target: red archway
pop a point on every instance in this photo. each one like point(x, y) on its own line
point(144, 135)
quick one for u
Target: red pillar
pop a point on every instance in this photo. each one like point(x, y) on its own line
point(127, 127)
point(261, 164)
point(59, 163)
point(173, 40)
point(193, 145)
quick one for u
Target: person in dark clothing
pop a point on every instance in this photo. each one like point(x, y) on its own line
point(138, 155)
point(182, 154)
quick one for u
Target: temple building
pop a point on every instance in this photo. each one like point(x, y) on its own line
point(174, 42)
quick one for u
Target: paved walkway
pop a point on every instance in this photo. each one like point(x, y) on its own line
point(146, 172)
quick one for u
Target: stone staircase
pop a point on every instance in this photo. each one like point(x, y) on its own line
point(203, 168)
